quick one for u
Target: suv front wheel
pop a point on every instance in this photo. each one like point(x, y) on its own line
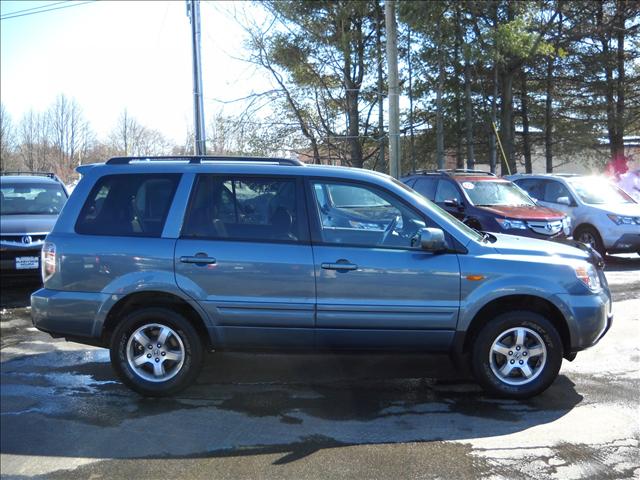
point(518, 355)
point(156, 352)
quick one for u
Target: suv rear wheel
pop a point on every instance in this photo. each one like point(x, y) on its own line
point(156, 352)
point(518, 354)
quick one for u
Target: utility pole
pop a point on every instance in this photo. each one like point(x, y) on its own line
point(394, 89)
point(193, 12)
point(413, 145)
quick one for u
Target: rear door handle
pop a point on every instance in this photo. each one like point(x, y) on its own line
point(199, 258)
point(339, 266)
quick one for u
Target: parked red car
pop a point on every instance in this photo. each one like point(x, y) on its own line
point(489, 203)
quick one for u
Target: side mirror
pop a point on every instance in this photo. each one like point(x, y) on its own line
point(563, 201)
point(432, 240)
point(452, 203)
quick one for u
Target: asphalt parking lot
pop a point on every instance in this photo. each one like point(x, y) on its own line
point(64, 415)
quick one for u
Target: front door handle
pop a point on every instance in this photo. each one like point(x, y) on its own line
point(339, 265)
point(200, 258)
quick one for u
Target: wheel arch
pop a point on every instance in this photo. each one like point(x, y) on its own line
point(136, 300)
point(509, 303)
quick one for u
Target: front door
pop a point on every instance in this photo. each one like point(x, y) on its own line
point(374, 289)
point(244, 254)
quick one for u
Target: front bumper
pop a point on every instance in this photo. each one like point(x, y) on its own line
point(627, 243)
point(589, 318)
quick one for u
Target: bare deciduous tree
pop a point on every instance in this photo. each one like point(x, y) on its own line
point(6, 138)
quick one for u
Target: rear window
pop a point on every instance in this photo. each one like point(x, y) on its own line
point(426, 187)
point(128, 205)
point(31, 199)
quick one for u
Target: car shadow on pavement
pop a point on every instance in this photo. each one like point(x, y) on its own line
point(68, 404)
point(615, 263)
point(17, 293)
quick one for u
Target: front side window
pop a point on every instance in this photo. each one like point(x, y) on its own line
point(31, 199)
point(353, 214)
point(446, 191)
point(128, 205)
point(259, 209)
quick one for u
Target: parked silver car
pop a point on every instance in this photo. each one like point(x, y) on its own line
point(162, 259)
point(602, 214)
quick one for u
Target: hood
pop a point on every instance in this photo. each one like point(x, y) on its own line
point(21, 224)
point(524, 213)
point(513, 245)
point(625, 209)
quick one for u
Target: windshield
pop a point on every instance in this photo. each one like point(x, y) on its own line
point(597, 191)
point(491, 193)
point(31, 199)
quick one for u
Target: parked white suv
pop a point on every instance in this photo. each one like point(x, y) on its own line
point(602, 214)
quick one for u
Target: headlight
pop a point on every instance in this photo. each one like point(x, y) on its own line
point(588, 275)
point(508, 224)
point(566, 225)
point(622, 220)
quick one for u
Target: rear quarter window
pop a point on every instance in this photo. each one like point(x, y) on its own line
point(426, 187)
point(128, 205)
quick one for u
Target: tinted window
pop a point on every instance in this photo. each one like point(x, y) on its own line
point(555, 190)
point(251, 208)
point(426, 187)
point(446, 191)
point(31, 198)
point(364, 216)
point(129, 205)
point(535, 188)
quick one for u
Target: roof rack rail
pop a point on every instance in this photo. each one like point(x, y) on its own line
point(203, 158)
point(450, 171)
point(34, 174)
point(465, 170)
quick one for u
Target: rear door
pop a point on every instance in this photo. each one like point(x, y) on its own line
point(374, 289)
point(244, 254)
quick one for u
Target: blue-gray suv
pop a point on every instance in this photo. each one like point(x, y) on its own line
point(163, 259)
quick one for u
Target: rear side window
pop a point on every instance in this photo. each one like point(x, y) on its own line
point(426, 187)
point(535, 188)
point(446, 191)
point(128, 205)
point(244, 208)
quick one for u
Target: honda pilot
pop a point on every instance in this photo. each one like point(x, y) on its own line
point(163, 259)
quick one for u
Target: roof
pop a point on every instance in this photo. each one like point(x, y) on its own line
point(230, 165)
point(476, 178)
point(28, 179)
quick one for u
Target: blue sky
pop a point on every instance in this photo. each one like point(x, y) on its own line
point(115, 54)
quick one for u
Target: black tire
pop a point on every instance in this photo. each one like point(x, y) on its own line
point(487, 365)
point(589, 235)
point(183, 339)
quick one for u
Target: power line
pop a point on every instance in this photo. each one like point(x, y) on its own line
point(27, 12)
point(48, 5)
